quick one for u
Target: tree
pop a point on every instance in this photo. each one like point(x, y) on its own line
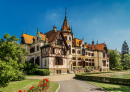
point(126, 61)
point(12, 58)
point(125, 48)
point(10, 49)
point(114, 58)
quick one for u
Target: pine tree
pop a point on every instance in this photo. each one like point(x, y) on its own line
point(125, 48)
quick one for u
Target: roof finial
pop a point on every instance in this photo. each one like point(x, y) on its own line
point(37, 29)
point(97, 41)
point(65, 14)
point(27, 31)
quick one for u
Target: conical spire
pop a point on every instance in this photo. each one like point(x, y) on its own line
point(37, 30)
point(65, 26)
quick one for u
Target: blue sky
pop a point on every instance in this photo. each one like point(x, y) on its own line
point(103, 20)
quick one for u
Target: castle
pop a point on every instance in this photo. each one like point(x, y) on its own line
point(61, 53)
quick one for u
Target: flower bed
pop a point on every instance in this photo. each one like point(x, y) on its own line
point(41, 87)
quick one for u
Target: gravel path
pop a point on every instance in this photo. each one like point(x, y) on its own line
point(69, 84)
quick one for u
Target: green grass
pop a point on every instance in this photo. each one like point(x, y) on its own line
point(112, 87)
point(25, 85)
point(19, 85)
point(121, 76)
point(53, 87)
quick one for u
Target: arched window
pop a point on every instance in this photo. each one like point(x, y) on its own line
point(70, 49)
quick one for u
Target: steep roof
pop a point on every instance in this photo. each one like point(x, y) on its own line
point(65, 26)
point(77, 42)
point(28, 38)
point(43, 37)
point(48, 34)
point(96, 47)
point(100, 46)
point(52, 37)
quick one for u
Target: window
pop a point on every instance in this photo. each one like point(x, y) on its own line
point(89, 63)
point(59, 61)
point(86, 63)
point(78, 51)
point(79, 58)
point(104, 62)
point(104, 54)
point(37, 61)
point(92, 64)
point(37, 48)
point(83, 52)
point(45, 62)
point(69, 38)
point(32, 49)
point(53, 51)
point(74, 63)
point(59, 42)
point(86, 53)
point(74, 58)
point(79, 63)
point(92, 54)
point(63, 52)
point(73, 50)
point(92, 59)
point(65, 37)
point(86, 59)
point(89, 59)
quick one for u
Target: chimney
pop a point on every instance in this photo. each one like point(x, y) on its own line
point(54, 28)
point(92, 42)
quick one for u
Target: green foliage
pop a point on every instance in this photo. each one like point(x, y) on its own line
point(125, 48)
point(43, 72)
point(126, 61)
point(10, 49)
point(30, 68)
point(114, 58)
point(12, 58)
point(6, 73)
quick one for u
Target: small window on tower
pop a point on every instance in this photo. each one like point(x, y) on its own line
point(69, 38)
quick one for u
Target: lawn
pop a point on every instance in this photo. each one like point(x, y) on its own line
point(25, 85)
point(121, 76)
point(112, 87)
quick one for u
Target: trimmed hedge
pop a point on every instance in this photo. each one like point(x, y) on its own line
point(42, 72)
point(125, 81)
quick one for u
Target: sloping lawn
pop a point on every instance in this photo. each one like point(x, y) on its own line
point(25, 85)
point(19, 85)
point(112, 87)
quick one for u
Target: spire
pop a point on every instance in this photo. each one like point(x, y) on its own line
point(93, 42)
point(97, 41)
point(37, 30)
point(27, 31)
point(65, 14)
point(65, 26)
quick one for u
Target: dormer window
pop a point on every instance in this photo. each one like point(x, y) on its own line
point(37, 48)
point(59, 42)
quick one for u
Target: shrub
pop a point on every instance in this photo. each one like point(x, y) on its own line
point(6, 74)
point(42, 72)
point(30, 68)
point(104, 79)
